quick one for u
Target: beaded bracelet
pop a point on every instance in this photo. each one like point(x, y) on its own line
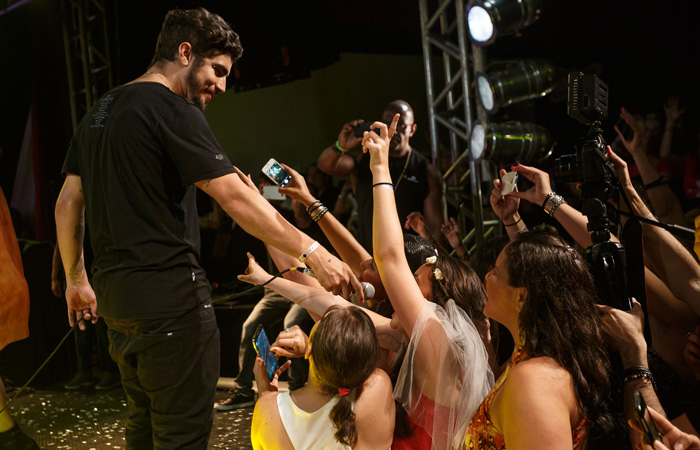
point(636, 373)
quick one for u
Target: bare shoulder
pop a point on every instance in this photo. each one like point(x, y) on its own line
point(267, 430)
point(378, 382)
point(375, 412)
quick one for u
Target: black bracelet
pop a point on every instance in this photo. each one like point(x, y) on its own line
point(550, 195)
point(512, 224)
point(656, 183)
point(384, 182)
point(308, 208)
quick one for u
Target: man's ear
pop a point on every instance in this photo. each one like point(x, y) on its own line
point(184, 53)
point(414, 127)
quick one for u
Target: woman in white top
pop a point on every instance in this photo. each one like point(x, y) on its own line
point(347, 402)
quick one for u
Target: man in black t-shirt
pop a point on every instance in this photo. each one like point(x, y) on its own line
point(417, 182)
point(131, 172)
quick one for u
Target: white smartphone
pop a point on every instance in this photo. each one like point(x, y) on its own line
point(273, 193)
point(276, 173)
point(509, 181)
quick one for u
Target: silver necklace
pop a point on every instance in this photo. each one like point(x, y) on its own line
point(161, 77)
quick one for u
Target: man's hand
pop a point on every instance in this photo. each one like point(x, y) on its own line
point(334, 275)
point(346, 138)
point(82, 304)
point(254, 274)
point(291, 343)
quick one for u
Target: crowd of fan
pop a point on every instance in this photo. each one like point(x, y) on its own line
point(508, 346)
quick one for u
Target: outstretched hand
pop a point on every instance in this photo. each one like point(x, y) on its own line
point(416, 222)
point(254, 274)
point(635, 145)
point(296, 188)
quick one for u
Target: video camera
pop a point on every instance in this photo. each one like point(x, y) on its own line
point(598, 182)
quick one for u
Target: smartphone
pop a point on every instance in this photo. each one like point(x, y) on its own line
point(262, 348)
point(651, 434)
point(509, 181)
point(273, 193)
point(276, 173)
point(365, 126)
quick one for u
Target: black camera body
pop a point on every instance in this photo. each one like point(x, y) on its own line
point(598, 182)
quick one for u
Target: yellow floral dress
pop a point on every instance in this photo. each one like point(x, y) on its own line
point(483, 434)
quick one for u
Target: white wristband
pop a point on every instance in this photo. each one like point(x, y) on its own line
point(309, 251)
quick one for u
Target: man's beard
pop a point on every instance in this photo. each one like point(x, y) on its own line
point(194, 86)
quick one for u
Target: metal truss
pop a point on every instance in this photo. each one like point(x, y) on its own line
point(450, 113)
point(88, 61)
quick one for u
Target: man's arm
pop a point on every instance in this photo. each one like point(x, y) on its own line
point(335, 161)
point(70, 231)
point(257, 217)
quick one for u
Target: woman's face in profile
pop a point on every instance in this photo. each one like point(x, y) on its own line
point(370, 275)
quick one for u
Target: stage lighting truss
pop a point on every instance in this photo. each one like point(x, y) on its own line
point(509, 82)
point(489, 19)
point(510, 142)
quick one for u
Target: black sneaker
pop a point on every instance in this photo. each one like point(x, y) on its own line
point(235, 401)
point(80, 380)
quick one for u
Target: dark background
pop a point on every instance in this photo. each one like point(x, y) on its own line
point(646, 51)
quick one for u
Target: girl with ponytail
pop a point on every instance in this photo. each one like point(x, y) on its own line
point(347, 402)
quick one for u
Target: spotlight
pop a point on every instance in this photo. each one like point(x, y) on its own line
point(514, 82)
point(510, 142)
point(488, 19)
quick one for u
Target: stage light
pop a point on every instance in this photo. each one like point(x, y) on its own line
point(515, 81)
point(510, 142)
point(488, 19)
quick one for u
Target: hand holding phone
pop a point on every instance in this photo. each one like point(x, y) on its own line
point(276, 173)
point(509, 181)
point(644, 419)
point(262, 348)
point(365, 126)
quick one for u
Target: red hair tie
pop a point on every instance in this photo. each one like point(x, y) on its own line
point(342, 392)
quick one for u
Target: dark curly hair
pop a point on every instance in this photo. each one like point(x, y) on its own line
point(559, 320)
point(208, 34)
point(344, 350)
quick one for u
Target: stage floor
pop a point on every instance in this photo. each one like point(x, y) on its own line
point(89, 419)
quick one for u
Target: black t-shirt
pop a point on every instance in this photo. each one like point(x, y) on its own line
point(410, 194)
point(138, 152)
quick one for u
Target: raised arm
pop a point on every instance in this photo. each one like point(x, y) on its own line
point(350, 251)
point(387, 240)
point(70, 232)
point(334, 160)
point(252, 212)
point(664, 255)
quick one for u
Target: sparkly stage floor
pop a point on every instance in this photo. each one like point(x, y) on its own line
point(90, 419)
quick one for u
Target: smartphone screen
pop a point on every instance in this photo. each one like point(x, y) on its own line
point(651, 434)
point(276, 173)
point(262, 347)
